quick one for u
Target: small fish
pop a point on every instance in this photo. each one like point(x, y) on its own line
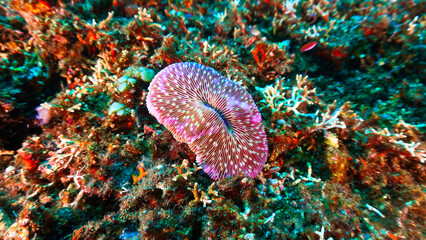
point(308, 46)
point(254, 31)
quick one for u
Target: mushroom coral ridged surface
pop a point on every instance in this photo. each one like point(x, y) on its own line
point(216, 117)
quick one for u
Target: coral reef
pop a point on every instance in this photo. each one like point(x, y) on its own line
point(338, 84)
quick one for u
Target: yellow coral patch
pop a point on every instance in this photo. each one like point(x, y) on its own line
point(142, 173)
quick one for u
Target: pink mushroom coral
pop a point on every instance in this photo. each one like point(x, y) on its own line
point(216, 117)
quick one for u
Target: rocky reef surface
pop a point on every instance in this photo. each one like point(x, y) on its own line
point(339, 86)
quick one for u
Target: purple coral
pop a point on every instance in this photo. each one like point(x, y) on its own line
point(216, 117)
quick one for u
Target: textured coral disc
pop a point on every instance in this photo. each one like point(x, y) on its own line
point(216, 117)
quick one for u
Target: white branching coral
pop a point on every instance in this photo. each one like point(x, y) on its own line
point(234, 3)
point(144, 15)
point(221, 16)
point(329, 120)
point(301, 101)
point(411, 148)
point(290, 6)
point(189, 171)
point(315, 32)
point(105, 23)
point(400, 140)
point(66, 151)
point(100, 73)
point(288, 99)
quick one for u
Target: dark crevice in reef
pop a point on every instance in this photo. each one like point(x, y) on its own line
point(197, 227)
point(19, 123)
